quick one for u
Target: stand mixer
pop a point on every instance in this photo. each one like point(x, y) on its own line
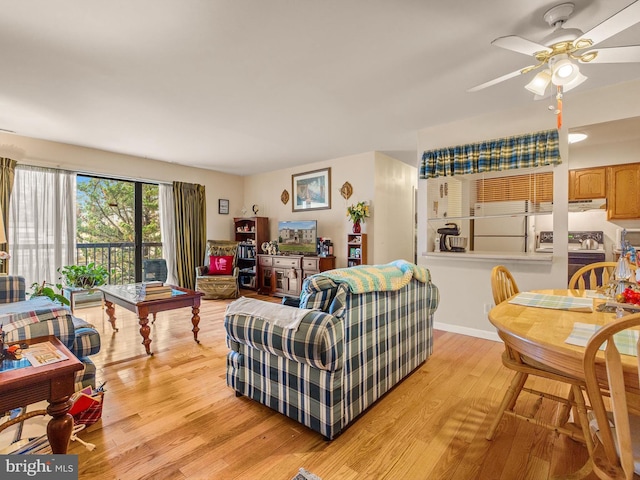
point(450, 229)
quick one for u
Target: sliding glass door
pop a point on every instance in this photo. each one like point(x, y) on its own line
point(117, 225)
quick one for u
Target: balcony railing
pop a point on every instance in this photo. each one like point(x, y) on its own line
point(118, 258)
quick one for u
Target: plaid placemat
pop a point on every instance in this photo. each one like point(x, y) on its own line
point(625, 340)
point(557, 302)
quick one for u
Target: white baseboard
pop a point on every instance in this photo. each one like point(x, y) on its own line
point(472, 332)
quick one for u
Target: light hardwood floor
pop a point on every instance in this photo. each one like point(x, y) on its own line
point(171, 416)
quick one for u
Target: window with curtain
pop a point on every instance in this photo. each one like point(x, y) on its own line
point(42, 223)
point(513, 174)
point(521, 192)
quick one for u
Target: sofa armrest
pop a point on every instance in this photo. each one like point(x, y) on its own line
point(318, 340)
point(12, 289)
point(40, 324)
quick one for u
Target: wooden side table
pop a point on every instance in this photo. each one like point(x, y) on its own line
point(54, 382)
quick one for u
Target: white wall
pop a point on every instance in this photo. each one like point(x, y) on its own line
point(265, 190)
point(44, 153)
point(470, 281)
point(386, 183)
point(395, 189)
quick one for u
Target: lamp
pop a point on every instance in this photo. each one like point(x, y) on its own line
point(575, 137)
point(539, 83)
point(575, 82)
point(563, 69)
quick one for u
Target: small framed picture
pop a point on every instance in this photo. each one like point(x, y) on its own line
point(223, 206)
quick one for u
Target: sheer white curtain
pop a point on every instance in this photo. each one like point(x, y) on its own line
point(168, 230)
point(42, 223)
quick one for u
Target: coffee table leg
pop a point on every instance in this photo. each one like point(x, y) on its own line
point(111, 312)
point(144, 331)
point(60, 427)
point(195, 320)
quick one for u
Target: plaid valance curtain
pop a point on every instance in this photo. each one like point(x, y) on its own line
point(521, 151)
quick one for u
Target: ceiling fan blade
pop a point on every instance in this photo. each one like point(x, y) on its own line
point(618, 22)
point(520, 45)
point(501, 79)
point(628, 54)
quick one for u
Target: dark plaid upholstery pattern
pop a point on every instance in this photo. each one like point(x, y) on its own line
point(379, 338)
point(12, 289)
point(317, 341)
point(40, 317)
point(317, 292)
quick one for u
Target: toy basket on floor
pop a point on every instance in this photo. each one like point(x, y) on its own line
point(89, 409)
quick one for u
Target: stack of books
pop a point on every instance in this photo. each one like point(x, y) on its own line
point(155, 290)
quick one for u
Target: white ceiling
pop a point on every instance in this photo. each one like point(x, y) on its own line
point(244, 86)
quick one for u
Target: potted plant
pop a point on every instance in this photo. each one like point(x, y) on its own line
point(85, 277)
point(45, 289)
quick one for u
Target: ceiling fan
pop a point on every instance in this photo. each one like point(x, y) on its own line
point(560, 52)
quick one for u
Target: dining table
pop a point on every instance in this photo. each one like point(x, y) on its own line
point(541, 330)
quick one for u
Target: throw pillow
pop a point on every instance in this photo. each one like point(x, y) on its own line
point(220, 265)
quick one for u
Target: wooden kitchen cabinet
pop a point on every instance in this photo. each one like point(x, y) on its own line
point(623, 194)
point(588, 183)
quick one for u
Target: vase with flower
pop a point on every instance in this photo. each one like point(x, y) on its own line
point(357, 213)
point(4, 256)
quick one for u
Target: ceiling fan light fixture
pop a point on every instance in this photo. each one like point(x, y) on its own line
point(539, 83)
point(575, 82)
point(564, 70)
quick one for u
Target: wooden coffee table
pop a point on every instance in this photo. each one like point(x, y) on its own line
point(54, 382)
point(129, 297)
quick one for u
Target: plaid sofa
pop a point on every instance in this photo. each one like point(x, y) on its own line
point(342, 357)
point(40, 316)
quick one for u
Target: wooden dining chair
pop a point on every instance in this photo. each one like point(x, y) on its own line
point(594, 275)
point(616, 432)
point(504, 287)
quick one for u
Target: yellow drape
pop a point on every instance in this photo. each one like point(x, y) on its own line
point(191, 230)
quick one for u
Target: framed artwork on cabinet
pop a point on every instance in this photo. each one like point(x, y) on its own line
point(311, 190)
point(223, 206)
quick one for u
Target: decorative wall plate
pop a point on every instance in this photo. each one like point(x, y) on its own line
point(284, 197)
point(346, 190)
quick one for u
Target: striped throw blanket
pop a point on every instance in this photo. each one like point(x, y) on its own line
point(378, 278)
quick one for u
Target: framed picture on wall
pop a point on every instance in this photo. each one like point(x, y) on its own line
point(223, 206)
point(311, 190)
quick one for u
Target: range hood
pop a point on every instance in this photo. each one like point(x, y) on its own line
point(585, 205)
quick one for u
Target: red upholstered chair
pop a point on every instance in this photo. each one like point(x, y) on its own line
point(218, 278)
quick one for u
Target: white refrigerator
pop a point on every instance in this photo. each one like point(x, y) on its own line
point(502, 230)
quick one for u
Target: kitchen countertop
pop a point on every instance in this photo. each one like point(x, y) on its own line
point(480, 256)
point(570, 250)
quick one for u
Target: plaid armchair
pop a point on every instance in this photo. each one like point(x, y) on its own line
point(214, 282)
point(22, 319)
point(349, 349)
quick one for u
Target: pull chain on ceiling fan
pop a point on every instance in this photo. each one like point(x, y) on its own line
point(562, 51)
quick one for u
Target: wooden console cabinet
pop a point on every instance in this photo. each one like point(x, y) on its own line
point(282, 275)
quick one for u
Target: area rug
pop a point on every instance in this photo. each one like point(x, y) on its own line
point(305, 475)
